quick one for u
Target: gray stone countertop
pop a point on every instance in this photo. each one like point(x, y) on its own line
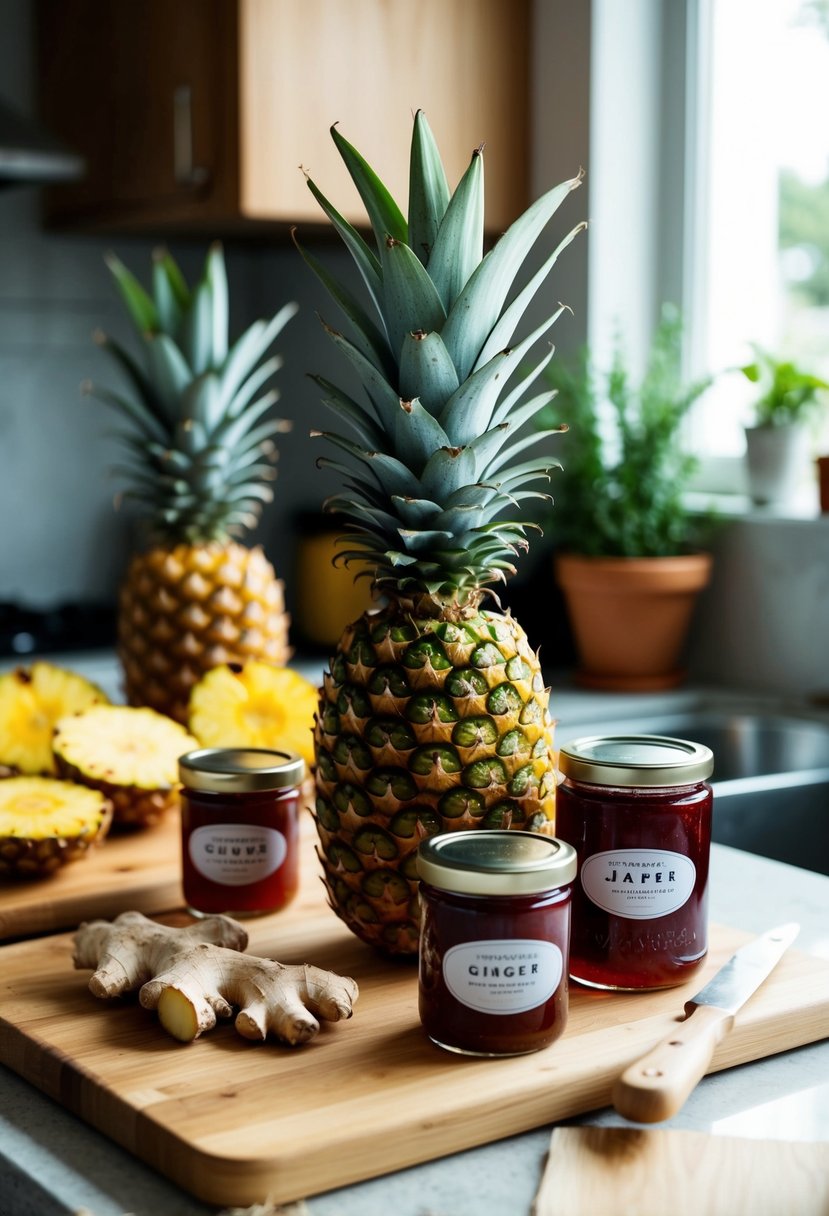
point(52, 1164)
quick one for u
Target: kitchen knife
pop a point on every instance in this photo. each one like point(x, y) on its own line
point(655, 1087)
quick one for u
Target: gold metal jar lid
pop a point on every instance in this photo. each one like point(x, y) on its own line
point(496, 862)
point(240, 770)
point(634, 761)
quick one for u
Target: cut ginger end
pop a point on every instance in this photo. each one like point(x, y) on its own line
point(177, 1015)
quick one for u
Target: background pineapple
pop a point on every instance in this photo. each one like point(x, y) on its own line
point(200, 453)
point(434, 714)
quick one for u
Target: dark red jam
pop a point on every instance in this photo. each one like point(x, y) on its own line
point(640, 904)
point(493, 962)
point(240, 853)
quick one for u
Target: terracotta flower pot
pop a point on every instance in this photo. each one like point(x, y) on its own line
point(630, 616)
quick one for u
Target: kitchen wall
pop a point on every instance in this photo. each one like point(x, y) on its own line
point(60, 538)
point(763, 622)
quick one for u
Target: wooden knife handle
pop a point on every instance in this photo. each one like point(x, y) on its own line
point(655, 1087)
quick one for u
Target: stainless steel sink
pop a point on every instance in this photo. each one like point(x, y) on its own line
point(771, 777)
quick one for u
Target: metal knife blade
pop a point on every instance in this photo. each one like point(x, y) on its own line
point(655, 1086)
point(745, 971)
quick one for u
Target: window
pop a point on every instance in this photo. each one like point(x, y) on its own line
point(757, 260)
point(708, 181)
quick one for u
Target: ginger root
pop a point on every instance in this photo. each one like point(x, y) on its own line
point(197, 974)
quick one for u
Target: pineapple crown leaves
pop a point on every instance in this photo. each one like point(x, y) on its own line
point(200, 439)
point(432, 452)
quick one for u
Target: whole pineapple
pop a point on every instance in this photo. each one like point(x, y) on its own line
point(200, 454)
point(434, 714)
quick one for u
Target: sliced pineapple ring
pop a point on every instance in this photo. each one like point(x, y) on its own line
point(131, 755)
point(31, 702)
point(254, 705)
point(46, 823)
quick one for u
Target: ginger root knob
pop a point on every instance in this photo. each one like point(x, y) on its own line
point(197, 974)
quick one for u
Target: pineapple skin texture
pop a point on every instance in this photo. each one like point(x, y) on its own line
point(45, 824)
point(424, 726)
point(185, 609)
point(128, 755)
point(133, 808)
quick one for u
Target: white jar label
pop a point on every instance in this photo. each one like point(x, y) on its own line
point(235, 854)
point(638, 884)
point(508, 976)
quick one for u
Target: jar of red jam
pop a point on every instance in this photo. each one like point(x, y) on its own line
point(637, 810)
point(495, 929)
point(240, 829)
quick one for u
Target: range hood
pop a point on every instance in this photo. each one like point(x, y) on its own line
point(31, 156)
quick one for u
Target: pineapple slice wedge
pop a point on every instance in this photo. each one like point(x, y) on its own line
point(31, 702)
point(130, 755)
point(254, 705)
point(46, 823)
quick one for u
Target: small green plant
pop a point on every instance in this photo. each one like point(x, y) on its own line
point(789, 395)
point(620, 492)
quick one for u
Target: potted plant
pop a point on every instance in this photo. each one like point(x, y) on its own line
point(627, 556)
point(777, 445)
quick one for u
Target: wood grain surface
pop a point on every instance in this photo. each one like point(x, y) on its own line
point(632, 1172)
point(140, 870)
point(233, 1122)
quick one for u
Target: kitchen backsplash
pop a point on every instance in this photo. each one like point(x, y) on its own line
point(60, 539)
point(763, 623)
point(59, 535)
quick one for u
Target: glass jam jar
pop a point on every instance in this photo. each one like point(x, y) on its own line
point(495, 929)
point(637, 810)
point(240, 829)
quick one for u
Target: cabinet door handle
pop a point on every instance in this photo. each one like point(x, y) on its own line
point(185, 172)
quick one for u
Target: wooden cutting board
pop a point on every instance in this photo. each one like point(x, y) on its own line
point(140, 870)
point(233, 1122)
point(632, 1172)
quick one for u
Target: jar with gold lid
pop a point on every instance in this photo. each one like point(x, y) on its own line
point(240, 829)
point(495, 927)
point(637, 809)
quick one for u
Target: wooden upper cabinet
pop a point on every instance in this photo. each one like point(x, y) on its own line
point(206, 114)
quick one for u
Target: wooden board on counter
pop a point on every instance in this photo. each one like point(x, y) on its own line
point(617, 1169)
point(234, 1122)
point(140, 870)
